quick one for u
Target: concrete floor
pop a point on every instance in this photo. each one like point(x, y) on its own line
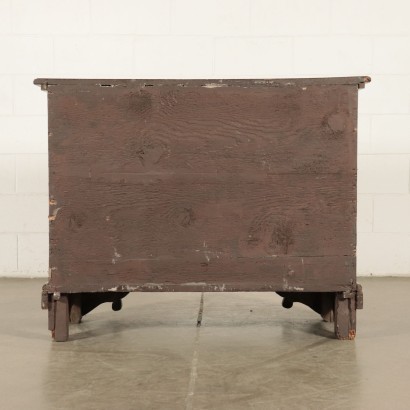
point(249, 353)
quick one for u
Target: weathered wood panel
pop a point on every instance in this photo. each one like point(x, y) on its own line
point(198, 130)
point(183, 215)
point(285, 273)
point(204, 188)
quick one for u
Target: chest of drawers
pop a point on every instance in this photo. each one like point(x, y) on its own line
point(202, 185)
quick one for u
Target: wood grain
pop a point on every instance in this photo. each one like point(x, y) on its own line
point(345, 318)
point(202, 188)
point(61, 329)
point(204, 130)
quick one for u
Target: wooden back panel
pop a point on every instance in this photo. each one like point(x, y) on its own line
point(222, 187)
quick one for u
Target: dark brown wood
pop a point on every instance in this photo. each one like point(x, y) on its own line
point(345, 317)
point(359, 81)
point(51, 307)
point(153, 203)
point(359, 296)
point(242, 274)
point(203, 185)
point(62, 319)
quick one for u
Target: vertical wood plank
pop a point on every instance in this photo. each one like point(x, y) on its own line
point(51, 315)
point(62, 319)
point(345, 317)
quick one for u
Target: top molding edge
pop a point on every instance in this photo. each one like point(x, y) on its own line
point(207, 83)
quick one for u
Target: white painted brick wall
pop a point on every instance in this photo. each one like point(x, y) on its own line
point(7, 173)
point(24, 213)
point(214, 38)
point(290, 17)
point(93, 56)
point(389, 94)
point(8, 246)
point(383, 174)
point(67, 17)
point(6, 95)
point(23, 134)
point(383, 253)
point(328, 55)
point(142, 18)
point(391, 134)
point(26, 54)
point(32, 173)
point(364, 132)
point(5, 13)
point(26, 98)
point(242, 57)
point(391, 55)
point(210, 18)
point(370, 17)
point(173, 57)
point(32, 254)
point(391, 214)
point(364, 213)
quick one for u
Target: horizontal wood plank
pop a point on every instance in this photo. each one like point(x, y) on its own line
point(218, 130)
point(284, 273)
point(210, 83)
point(178, 216)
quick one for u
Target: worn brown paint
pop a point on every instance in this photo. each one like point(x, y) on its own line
point(60, 330)
point(203, 185)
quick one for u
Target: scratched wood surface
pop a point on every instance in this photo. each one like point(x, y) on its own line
point(202, 188)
